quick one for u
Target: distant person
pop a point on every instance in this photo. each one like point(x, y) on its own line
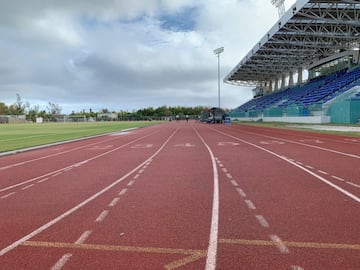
point(187, 118)
point(177, 117)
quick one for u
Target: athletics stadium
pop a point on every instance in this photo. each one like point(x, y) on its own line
point(306, 68)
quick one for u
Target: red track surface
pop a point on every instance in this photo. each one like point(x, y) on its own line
point(184, 196)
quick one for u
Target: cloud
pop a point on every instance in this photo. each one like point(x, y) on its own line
point(120, 54)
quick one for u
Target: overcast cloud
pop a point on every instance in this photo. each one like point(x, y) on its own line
point(125, 55)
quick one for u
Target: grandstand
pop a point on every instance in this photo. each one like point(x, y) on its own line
point(321, 37)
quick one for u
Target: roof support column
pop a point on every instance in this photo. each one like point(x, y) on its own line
point(300, 78)
point(291, 79)
point(276, 84)
point(270, 86)
point(283, 80)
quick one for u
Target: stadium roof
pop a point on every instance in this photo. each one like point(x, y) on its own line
point(309, 31)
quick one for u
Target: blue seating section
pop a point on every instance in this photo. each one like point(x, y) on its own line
point(315, 92)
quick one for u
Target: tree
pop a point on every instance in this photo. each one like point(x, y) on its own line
point(4, 109)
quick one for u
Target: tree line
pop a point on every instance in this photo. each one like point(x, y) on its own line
point(53, 110)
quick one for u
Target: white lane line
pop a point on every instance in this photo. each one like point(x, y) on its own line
point(131, 183)
point(7, 195)
point(329, 183)
point(61, 263)
point(122, 192)
point(296, 267)
point(136, 176)
point(228, 175)
point(214, 229)
point(114, 202)
point(102, 216)
point(83, 237)
point(338, 178)
point(322, 172)
point(57, 174)
point(300, 163)
point(241, 192)
point(279, 244)
point(43, 180)
point(224, 170)
point(221, 165)
point(353, 184)
point(250, 205)
point(234, 183)
point(263, 222)
point(29, 186)
point(141, 171)
point(309, 167)
point(83, 203)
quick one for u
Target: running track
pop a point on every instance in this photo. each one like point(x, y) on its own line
point(184, 196)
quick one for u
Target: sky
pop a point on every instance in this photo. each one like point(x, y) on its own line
point(127, 55)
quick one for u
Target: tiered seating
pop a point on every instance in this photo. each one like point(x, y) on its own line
point(317, 92)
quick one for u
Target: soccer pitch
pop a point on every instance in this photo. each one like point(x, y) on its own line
point(19, 136)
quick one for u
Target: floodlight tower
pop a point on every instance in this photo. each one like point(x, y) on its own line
point(280, 5)
point(217, 52)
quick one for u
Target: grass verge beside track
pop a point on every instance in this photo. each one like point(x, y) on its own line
point(20, 136)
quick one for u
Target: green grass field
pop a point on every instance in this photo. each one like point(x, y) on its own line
point(19, 136)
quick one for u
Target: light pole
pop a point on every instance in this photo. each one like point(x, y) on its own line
point(217, 52)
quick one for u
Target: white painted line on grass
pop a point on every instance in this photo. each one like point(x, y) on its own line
point(83, 237)
point(102, 216)
point(114, 202)
point(241, 192)
point(250, 205)
point(61, 263)
point(263, 222)
point(7, 195)
point(279, 244)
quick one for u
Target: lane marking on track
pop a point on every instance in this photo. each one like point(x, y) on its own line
point(102, 216)
point(309, 167)
point(192, 254)
point(136, 176)
point(329, 183)
point(228, 175)
point(114, 202)
point(224, 170)
point(250, 205)
point(234, 183)
point(7, 195)
point(43, 180)
point(279, 244)
point(83, 203)
point(123, 191)
point(61, 263)
point(27, 187)
point(241, 192)
point(78, 164)
point(214, 228)
point(322, 172)
point(56, 174)
point(338, 178)
point(83, 237)
point(353, 184)
point(130, 183)
point(263, 222)
point(311, 245)
point(296, 267)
